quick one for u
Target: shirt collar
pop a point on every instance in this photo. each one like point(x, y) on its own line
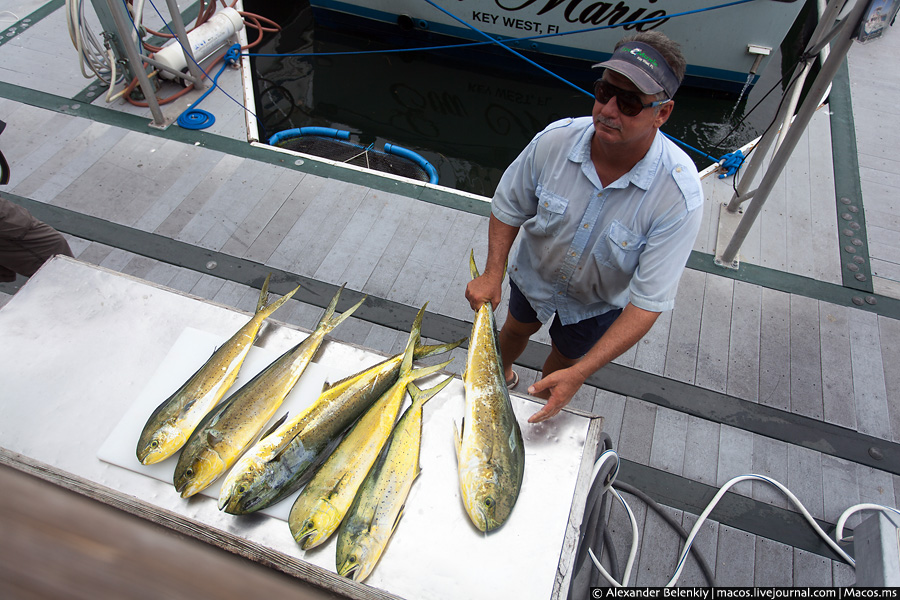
point(641, 174)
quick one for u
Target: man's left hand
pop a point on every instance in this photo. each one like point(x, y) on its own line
point(562, 386)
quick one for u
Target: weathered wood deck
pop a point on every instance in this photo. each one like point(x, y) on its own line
point(767, 345)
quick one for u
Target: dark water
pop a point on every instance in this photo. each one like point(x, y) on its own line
point(467, 115)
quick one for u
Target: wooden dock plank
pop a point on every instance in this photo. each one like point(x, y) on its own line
point(823, 219)
point(804, 479)
point(660, 548)
point(774, 565)
point(868, 375)
point(806, 364)
point(736, 557)
point(650, 352)
point(715, 334)
point(684, 333)
point(743, 351)
point(889, 332)
point(811, 570)
point(637, 427)
point(770, 459)
point(774, 350)
point(611, 407)
point(387, 270)
point(840, 485)
point(706, 543)
point(701, 452)
point(667, 450)
point(735, 458)
point(837, 374)
point(621, 531)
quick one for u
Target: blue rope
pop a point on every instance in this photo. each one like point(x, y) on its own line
point(195, 118)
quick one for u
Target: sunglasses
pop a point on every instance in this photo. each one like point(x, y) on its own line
point(629, 103)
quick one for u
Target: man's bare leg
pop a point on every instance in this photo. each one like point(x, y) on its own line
point(513, 338)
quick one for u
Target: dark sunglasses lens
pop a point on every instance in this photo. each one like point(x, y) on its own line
point(628, 102)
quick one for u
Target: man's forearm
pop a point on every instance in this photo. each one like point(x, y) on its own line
point(625, 332)
point(500, 240)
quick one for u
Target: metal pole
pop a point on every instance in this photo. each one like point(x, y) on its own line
point(135, 60)
point(785, 113)
point(842, 44)
point(182, 36)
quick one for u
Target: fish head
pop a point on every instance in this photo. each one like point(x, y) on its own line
point(245, 489)
point(358, 560)
point(198, 472)
point(317, 526)
point(488, 498)
point(159, 444)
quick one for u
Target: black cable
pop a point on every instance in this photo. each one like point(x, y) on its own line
point(592, 527)
point(704, 566)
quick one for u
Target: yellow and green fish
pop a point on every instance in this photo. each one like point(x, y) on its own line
point(168, 427)
point(284, 460)
point(379, 504)
point(232, 426)
point(320, 507)
point(490, 453)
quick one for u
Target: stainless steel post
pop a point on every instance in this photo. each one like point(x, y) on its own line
point(843, 42)
point(117, 10)
point(181, 34)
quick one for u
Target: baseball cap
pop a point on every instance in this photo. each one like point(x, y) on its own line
point(644, 66)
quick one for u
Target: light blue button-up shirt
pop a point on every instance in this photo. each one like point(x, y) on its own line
point(584, 249)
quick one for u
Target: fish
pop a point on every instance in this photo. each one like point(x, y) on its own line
point(280, 463)
point(232, 426)
point(381, 499)
point(320, 507)
point(490, 452)
point(171, 423)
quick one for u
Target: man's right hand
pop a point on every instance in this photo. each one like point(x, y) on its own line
point(485, 288)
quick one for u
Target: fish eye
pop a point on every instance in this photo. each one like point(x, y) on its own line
point(189, 472)
point(154, 445)
point(351, 559)
point(489, 502)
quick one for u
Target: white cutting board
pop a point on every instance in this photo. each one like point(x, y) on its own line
point(192, 348)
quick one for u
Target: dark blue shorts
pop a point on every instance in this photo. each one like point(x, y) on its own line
point(573, 341)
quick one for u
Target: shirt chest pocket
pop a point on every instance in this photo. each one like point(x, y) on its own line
point(550, 211)
point(620, 248)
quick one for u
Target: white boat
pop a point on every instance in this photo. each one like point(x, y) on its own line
point(725, 42)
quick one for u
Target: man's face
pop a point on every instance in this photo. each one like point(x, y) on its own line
point(613, 127)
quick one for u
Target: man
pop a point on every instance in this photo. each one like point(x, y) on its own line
point(25, 242)
point(606, 209)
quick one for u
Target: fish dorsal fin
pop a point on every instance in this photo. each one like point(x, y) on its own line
point(275, 426)
point(263, 294)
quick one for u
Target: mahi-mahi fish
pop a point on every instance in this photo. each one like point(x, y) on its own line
point(490, 454)
point(320, 507)
point(232, 426)
point(170, 424)
point(381, 499)
point(284, 460)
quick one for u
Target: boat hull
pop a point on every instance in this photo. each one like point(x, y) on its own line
point(715, 42)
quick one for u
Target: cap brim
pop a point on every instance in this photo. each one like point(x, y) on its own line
point(637, 76)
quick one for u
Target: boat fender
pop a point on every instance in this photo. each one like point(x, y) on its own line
point(298, 132)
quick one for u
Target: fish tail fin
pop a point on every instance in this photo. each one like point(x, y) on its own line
point(264, 310)
point(472, 268)
point(263, 294)
point(426, 371)
point(328, 321)
point(425, 350)
point(421, 396)
point(414, 335)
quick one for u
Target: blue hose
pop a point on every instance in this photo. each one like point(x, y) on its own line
point(416, 158)
point(298, 132)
